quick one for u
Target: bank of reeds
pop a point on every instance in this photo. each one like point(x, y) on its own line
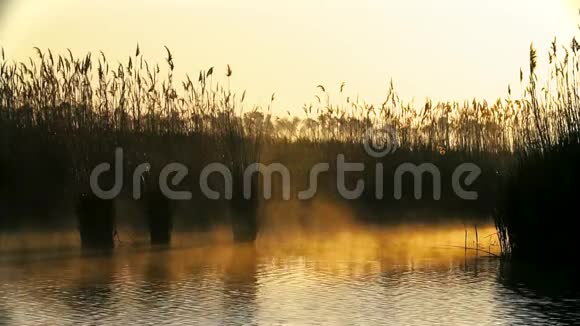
point(74, 111)
point(537, 212)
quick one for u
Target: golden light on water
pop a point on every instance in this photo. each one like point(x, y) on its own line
point(321, 261)
point(276, 278)
point(359, 244)
point(451, 49)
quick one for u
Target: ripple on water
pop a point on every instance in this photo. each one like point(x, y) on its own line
point(342, 284)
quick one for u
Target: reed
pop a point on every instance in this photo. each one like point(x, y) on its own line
point(96, 222)
point(241, 146)
point(536, 213)
point(83, 107)
point(159, 217)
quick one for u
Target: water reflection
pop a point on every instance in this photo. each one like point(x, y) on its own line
point(155, 289)
point(404, 276)
point(550, 294)
point(4, 315)
point(240, 285)
point(91, 293)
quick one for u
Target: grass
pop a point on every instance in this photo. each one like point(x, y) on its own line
point(96, 222)
point(536, 216)
point(241, 147)
point(159, 217)
point(74, 111)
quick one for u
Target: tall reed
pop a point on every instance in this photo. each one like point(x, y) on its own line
point(85, 107)
point(536, 213)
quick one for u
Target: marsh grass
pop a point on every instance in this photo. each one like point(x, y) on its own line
point(241, 146)
point(537, 211)
point(159, 217)
point(81, 108)
point(96, 222)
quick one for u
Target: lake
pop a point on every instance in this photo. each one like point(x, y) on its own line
point(356, 276)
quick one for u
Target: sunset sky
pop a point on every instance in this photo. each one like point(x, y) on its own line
point(446, 49)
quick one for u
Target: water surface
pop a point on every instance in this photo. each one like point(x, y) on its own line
point(398, 277)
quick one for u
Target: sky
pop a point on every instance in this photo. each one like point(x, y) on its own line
point(445, 49)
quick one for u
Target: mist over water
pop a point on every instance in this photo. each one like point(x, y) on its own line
point(348, 274)
point(281, 222)
point(450, 196)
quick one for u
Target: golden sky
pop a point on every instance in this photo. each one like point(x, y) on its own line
point(445, 49)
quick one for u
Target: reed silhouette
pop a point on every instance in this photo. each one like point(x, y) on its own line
point(82, 108)
point(96, 218)
point(160, 218)
point(536, 215)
